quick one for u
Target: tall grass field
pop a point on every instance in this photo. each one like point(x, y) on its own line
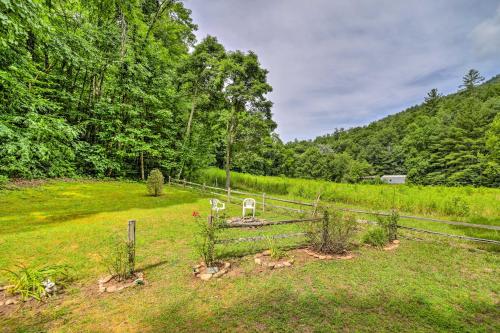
point(471, 204)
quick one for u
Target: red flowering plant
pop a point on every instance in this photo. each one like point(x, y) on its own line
point(206, 239)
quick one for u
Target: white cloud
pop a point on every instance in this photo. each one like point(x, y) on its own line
point(486, 36)
point(346, 63)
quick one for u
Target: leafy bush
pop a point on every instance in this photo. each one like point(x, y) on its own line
point(390, 225)
point(376, 236)
point(276, 252)
point(117, 258)
point(207, 237)
point(155, 182)
point(333, 234)
point(38, 282)
point(3, 181)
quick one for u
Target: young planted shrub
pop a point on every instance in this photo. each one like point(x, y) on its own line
point(207, 237)
point(333, 234)
point(36, 283)
point(155, 182)
point(117, 258)
point(276, 252)
point(376, 236)
point(390, 225)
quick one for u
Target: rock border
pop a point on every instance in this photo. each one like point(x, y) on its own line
point(201, 270)
point(105, 283)
point(392, 245)
point(322, 256)
point(259, 260)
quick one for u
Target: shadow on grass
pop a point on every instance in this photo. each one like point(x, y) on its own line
point(285, 310)
point(22, 220)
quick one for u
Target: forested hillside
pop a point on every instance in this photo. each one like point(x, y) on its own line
point(113, 88)
point(451, 140)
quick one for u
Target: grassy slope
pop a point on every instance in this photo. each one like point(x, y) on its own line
point(423, 286)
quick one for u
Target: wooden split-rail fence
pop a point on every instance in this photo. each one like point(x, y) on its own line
point(312, 209)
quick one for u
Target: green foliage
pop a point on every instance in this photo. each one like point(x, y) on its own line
point(155, 182)
point(456, 206)
point(333, 234)
point(276, 252)
point(116, 258)
point(4, 180)
point(390, 224)
point(206, 239)
point(376, 236)
point(28, 282)
point(420, 200)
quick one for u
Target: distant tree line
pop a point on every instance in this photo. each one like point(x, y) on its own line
point(114, 88)
point(451, 140)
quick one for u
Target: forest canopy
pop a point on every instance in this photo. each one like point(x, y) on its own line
point(114, 88)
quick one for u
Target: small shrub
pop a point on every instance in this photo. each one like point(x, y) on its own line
point(38, 282)
point(390, 225)
point(333, 234)
point(276, 252)
point(117, 258)
point(376, 236)
point(155, 182)
point(3, 181)
point(207, 237)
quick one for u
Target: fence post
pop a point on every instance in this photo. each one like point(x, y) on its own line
point(316, 204)
point(131, 244)
point(184, 182)
point(169, 180)
point(204, 187)
point(263, 202)
point(215, 181)
point(228, 194)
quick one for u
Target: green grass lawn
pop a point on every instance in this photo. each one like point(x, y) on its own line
point(426, 285)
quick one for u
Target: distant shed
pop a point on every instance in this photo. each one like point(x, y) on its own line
point(394, 179)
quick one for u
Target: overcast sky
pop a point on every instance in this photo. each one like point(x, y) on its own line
point(343, 63)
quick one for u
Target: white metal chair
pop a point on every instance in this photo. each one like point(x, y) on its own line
point(249, 204)
point(216, 205)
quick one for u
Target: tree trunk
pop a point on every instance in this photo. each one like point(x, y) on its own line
point(229, 143)
point(142, 165)
point(188, 133)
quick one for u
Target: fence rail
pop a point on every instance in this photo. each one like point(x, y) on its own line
point(359, 211)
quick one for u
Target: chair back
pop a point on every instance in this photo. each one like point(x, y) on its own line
point(249, 203)
point(213, 203)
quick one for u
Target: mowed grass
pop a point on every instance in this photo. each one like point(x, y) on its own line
point(424, 286)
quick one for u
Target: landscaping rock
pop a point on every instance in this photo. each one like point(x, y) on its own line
point(106, 279)
point(206, 276)
point(102, 288)
point(287, 264)
point(258, 255)
point(220, 273)
point(227, 265)
point(346, 257)
point(111, 289)
point(266, 253)
point(396, 241)
point(321, 257)
point(10, 301)
point(212, 270)
point(258, 261)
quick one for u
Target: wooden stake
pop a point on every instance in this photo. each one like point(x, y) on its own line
point(131, 242)
point(263, 202)
point(316, 204)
